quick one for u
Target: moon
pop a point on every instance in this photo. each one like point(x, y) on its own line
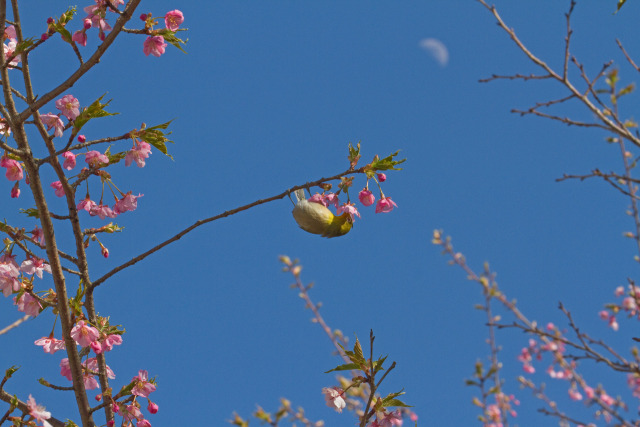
point(436, 49)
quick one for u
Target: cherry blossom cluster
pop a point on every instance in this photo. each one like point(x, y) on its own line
point(385, 204)
point(70, 108)
point(493, 412)
point(96, 17)
point(335, 398)
point(563, 369)
point(99, 340)
point(10, 41)
point(38, 412)
point(14, 280)
point(629, 305)
point(155, 43)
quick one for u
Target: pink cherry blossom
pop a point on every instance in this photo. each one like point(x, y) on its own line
point(318, 198)
point(173, 19)
point(50, 344)
point(366, 197)
point(9, 50)
point(143, 423)
point(14, 169)
point(10, 32)
point(607, 400)
point(92, 365)
point(38, 235)
point(142, 386)
point(129, 412)
point(96, 159)
point(334, 399)
point(128, 203)
point(154, 45)
point(389, 419)
point(57, 186)
point(102, 211)
point(90, 381)
point(5, 130)
point(590, 392)
point(69, 106)
point(8, 281)
point(86, 204)
point(35, 266)
point(350, 209)
point(28, 304)
point(152, 408)
point(15, 191)
point(138, 153)
point(382, 177)
point(82, 138)
point(38, 412)
point(96, 347)
point(65, 369)
point(331, 199)
point(574, 394)
point(69, 160)
point(9, 265)
point(53, 121)
point(385, 205)
point(84, 334)
point(110, 341)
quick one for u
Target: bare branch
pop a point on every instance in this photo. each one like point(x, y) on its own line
point(225, 214)
point(14, 324)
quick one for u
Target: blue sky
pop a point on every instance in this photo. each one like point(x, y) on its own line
point(268, 97)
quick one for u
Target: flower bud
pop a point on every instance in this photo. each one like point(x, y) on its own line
point(366, 197)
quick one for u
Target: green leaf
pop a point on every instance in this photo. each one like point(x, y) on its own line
point(156, 137)
point(384, 164)
point(377, 365)
point(345, 367)
point(24, 45)
point(12, 370)
point(357, 349)
point(395, 402)
point(68, 15)
point(392, 396)
point(31, 212)
point(127, 389)
point(170, 37)
point(114, 158)
point(627, 90)
point(64, 33)
point(95, 110)
point(612, 78)
point(354, 155)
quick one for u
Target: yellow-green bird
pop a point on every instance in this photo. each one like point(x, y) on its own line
point(318, 219)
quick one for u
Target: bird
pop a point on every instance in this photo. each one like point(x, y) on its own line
point(316, 218)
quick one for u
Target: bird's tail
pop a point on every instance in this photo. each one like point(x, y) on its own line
point(299, 195)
